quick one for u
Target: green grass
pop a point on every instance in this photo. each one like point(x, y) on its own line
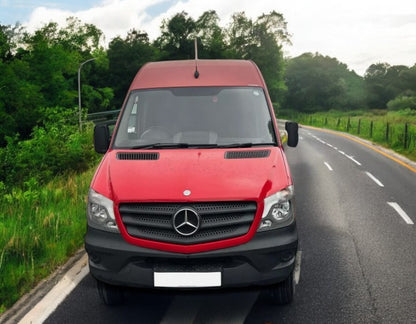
point(386, 128)
point(40, 227)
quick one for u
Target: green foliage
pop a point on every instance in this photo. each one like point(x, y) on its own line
point(402, 102)
point(177, 37)
point(384, 83)
point(125, 57)
point(56, 147)
point(380, 126)
point(318, 83)
point(261, 41)
point(40, 227)
point(39, 70)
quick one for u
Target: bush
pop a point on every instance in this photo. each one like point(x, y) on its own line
point(402, 102)
point(55, 148)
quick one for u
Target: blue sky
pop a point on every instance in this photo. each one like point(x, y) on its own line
point(12, 11)
point(356, 32)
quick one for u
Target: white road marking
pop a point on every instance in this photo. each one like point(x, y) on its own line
point(339, 151)
point(57, 294)
point(296, 276)
point(374, 179)
point(401, 212)
point(352, 159)
point(328, 166)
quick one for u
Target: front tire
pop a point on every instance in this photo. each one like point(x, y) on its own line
point(283, 292)
point(109, 294)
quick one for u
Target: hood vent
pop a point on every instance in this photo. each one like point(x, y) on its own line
point(247, 154)
point(138, 156)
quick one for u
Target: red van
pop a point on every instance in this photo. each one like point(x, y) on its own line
point(194, 190)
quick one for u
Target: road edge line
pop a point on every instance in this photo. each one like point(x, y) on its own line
point(15, 313)
point(47, 305)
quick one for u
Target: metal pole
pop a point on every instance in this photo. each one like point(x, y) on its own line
point(79, 92)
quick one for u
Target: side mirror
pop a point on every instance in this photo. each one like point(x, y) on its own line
point(292, 133)
point(101, 138)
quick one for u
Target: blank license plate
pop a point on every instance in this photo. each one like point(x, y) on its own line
point(187, 279)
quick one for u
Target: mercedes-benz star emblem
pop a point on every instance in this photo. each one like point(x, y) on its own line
point(186, 221)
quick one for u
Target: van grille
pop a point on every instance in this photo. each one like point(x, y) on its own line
point(218, 220)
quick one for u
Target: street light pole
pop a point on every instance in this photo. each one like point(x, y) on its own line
point(79, 92)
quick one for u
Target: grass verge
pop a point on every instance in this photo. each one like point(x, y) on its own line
point(392, 129)
point(40, 227)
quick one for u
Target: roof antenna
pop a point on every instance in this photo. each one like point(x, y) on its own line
point(196, 74)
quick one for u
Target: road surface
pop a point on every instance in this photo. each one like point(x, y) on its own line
point(356, 210)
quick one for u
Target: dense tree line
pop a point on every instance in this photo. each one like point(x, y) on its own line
point(39, 70)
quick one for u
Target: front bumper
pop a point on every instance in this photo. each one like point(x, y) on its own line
point(268, 258)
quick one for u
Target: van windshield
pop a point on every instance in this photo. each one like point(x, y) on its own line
point(195, 116)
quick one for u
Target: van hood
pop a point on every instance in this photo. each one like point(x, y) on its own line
point(191, 174)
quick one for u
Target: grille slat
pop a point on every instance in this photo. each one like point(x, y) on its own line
point(226, 221)
point(219, 220)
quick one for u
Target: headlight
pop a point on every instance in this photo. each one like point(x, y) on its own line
point(278, 210)
point(100, 212)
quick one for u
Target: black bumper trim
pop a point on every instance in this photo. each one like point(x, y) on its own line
point(266, 259)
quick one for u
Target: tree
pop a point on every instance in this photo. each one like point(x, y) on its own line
point(177, 39)
point(318, 83)
point(211, 38)
point(385, 82)
point(39, 70)
point(262, 41)
point(126, 56)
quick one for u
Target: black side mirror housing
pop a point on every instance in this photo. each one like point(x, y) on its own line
point(292, 133)
point(101, 138)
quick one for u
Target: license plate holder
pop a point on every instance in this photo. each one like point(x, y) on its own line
point(187, 279)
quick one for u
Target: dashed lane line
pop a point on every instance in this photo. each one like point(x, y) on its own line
point(378, 182)
point(336, 149)
point(394, 205)
point(328, 166)
point(389, 156)
point(401, 212)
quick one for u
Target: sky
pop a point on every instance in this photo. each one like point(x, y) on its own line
point(356, 32)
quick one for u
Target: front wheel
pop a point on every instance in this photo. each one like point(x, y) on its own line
point(283, 292)
point(110, 295)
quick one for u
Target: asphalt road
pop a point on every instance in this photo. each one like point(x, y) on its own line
point(358, 251)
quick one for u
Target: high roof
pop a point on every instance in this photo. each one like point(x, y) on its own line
point(211, 73)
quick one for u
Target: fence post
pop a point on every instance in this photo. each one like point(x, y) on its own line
point(387, 132)
point(338, 122)
point(348, 124)
point(371, 129)
point(406, 133)
point(359, 126)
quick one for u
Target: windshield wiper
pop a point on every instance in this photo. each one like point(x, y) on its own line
point(242, 145)
point(160, 146)
point(205, 146)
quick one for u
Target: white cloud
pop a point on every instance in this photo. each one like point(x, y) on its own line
point(356, 32)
